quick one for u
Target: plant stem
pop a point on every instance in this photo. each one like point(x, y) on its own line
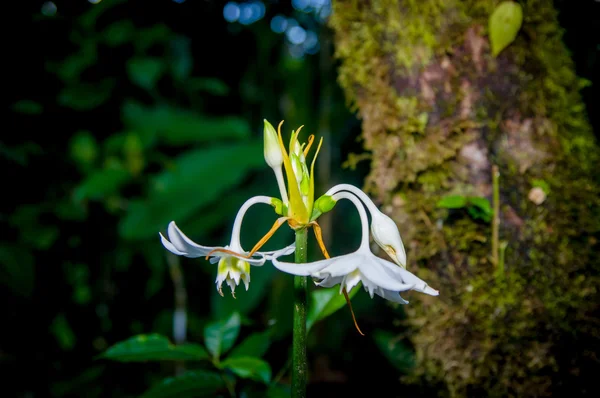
point(299, 364)
point(496, 209)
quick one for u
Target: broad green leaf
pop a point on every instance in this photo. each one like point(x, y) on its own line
point(101, 183)
point(219, 336)
point(86, 96)
point(255, 345)
point(197, 178)
point(194, 383)
point(17, 271)
point(324, 302)
point(452, 202)
point(28, 107)
point(504, 24)
point(145, 71)
point(178, 126)
point(396, 351)
point(153, 347)
point(248, 368)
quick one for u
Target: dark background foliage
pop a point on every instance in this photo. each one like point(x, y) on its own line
point(107, 104)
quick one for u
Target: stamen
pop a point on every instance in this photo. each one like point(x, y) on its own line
point(311, 138)
point(312, 165)
point(223, 250)
point(318, 234)
point(351, 310)
point(278, 223)
point(233, 294)
point(221, 291)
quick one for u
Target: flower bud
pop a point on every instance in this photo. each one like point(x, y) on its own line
point(273, 155)
point(322, 205)
point(386, 235)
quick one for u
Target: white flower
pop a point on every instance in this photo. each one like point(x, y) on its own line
point(378, 276)
point(383, 228)
point(233, 263)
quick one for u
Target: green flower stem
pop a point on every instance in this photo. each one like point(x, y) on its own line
point(299, 365)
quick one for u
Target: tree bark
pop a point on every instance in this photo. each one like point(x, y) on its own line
point(438, 112)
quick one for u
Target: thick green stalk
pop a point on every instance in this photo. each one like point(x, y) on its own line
point(299, 365)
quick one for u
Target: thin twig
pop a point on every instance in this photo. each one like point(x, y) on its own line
point(496, 209)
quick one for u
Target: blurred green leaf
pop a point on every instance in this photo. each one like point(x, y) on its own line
point(89, 18)
point(324, 302)
point(209, 85)
point(452, 202)
point(86, 96)
point(101, 183)
point(539, 183)
point(480, 208)
point(118, 33)
point(28, 107)
point(182, 61)
point(249, 368)
point(17, 270)
point(176, 126)
point(69, 70)
point(396, 351)
point(83, 148)
point(146, 38)
point(196, 179)
point(194, 383)
point(255, 345)
point(63, 333)
point(504, 24)
point(145, 71)
point(278, 391)
point(153, 347)
point(219, 336)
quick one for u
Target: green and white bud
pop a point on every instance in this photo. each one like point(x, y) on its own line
point(273, 155)
point(322, 205)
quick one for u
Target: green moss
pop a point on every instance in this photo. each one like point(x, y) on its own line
point(438, 110)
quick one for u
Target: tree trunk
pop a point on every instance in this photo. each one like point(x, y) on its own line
point(438, 112)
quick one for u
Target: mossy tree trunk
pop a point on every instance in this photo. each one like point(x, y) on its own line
point(438, 112)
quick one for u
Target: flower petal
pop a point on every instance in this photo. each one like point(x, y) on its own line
point(281, 252)
point(330, 281)
point(169, 246)
point(407, 277)
point(377, 274)
point(184, 244)
point(301, 269)
point(343, 265)
point(391, 296)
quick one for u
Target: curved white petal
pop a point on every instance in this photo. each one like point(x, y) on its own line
point(391, 296)
point(300, 269)
point(375, 273)
point(169, 246)
point(408, 277)
point(184, 244)
point(342, 265)
point(330, 281)
point(281, 252)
